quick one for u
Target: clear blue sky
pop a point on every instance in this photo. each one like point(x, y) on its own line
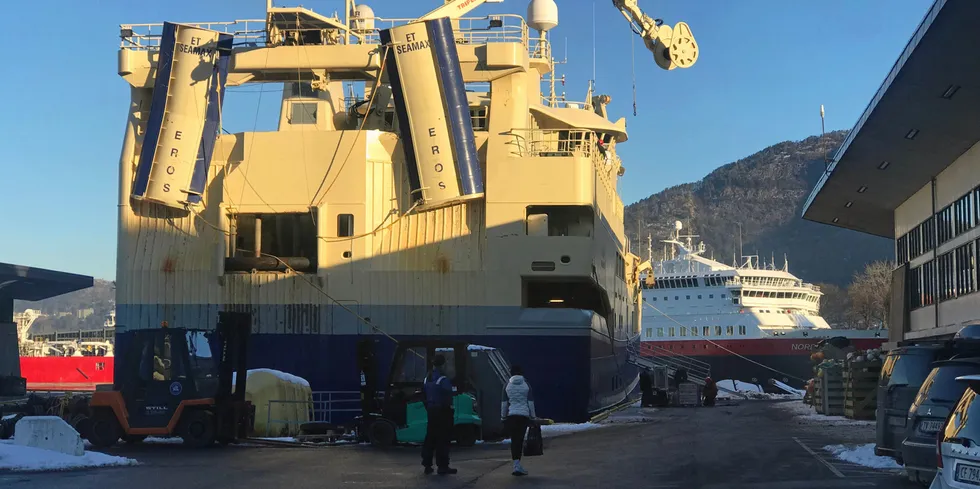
point(765, 68)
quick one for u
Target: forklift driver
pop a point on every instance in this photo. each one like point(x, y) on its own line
point(439, 428)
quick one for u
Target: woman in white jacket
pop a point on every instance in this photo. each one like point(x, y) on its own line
point(517, 411)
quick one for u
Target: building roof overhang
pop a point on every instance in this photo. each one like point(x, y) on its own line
point(923, 117)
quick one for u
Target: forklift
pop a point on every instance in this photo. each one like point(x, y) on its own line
point(177, 382)
point(400, 415)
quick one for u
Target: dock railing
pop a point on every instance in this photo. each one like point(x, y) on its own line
point(650, 356)
point(323, 407)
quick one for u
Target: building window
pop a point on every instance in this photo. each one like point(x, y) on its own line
point(944, 224)
point(928, 234)
point(902, 249)
point(345, 225)
point(965, 270)
point(963, 214)
point(915, 288)
point(947, 275)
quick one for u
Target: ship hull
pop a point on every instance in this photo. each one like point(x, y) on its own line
point(573, 376)
point(753, 360)
point(66, 373)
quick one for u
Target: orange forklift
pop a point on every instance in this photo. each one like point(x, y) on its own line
point(177, 382)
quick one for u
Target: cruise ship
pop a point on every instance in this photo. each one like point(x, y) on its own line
point(747, 321)
point(420, 182)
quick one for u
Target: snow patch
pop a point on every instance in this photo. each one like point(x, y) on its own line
point(862, 455)
point(806, 415)
point(479, 348)
point(738, 385)
point(19, 458)
point(279, 374)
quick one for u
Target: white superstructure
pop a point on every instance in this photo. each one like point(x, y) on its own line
point(693, 297)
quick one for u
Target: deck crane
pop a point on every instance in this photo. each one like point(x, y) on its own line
point(455, 9)
point(672, 47)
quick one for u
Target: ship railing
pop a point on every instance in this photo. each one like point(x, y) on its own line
point(146, 37)
point(560, 143)
point(468, 30)
point(105, 334)
point(659, 356)
point(323, 407)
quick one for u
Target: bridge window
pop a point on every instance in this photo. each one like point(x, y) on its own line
point(705, 330)
point(741, 330)
point(672, 333)
point(345, 225)
point(479, 117)
point(717, 330)
point(683, 331)
point(730, 330)
point(660, 332)
point(559, 220)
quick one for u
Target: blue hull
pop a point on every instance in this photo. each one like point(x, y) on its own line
point(573, 376)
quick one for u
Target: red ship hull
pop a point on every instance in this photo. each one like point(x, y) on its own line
point(66, 373)
point(752, 360)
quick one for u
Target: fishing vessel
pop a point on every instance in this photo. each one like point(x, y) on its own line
point(747, 321)
point(65, 361)
point(420, 183)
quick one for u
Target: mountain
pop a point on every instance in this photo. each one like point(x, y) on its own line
point(764, 193)
point(80, 310)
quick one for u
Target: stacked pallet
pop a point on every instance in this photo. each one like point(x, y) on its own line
point(861, 389)
point(829, 391)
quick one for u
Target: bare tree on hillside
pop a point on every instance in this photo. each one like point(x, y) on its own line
point(870, 295)
point(835, 306)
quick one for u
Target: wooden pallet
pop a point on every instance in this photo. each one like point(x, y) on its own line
point(830, 401)
point(861, 389)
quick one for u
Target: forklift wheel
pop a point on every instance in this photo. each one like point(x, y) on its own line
point(197, 428)
point(466, 435)
point(381, 433)
point(104, 430)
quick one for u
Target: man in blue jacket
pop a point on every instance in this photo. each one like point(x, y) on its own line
point(439, 429)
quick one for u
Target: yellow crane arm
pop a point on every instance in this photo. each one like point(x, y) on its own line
point(671, 47)
point(455, 9)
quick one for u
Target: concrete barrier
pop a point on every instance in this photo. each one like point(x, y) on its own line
point(49, 433)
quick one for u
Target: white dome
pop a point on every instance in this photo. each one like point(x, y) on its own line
point(542, 15)
point(362, 18)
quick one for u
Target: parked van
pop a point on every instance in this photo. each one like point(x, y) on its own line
point(902, 373)
point(936, 399)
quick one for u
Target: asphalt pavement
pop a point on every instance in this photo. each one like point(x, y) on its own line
point(754, 444)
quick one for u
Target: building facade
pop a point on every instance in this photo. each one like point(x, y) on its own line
point(909, 170)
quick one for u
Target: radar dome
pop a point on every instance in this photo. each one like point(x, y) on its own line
point(542, 15)
point(362, 19)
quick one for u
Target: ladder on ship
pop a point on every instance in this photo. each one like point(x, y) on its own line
point(649, 356)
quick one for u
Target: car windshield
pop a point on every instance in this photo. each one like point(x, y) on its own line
point(959, 426)
point(906, 369)
point(941, 385)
